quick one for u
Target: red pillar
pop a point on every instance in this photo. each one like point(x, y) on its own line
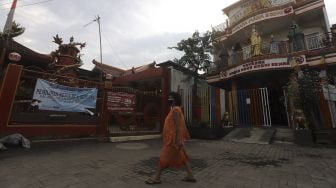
point(7, 93)
point(103, 129)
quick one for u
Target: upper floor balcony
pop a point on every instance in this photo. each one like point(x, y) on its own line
point(264, 13)
point(275, 49)
point(251, 7)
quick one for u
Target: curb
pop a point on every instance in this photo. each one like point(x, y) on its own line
point(134, 138)
point(63, 140)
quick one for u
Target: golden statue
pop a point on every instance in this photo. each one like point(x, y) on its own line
point(300, 120)
point(255, 43)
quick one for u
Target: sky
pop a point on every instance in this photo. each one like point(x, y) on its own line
point(133, 32)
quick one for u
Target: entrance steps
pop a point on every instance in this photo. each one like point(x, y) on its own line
point(251, 135)
point(283, 135)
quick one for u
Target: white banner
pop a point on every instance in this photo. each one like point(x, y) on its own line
point(51, 96)
point(265, 64)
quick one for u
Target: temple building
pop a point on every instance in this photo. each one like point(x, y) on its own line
point(23, 71)
point(266, 51)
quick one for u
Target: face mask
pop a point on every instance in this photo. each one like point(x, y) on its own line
point(170, 101)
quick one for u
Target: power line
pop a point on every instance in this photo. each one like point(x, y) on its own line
point(9, 2)
point(108, 41)
point(31, 4)
point(97, 19)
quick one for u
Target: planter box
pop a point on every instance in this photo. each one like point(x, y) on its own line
point(303, 137)
point(327, 136)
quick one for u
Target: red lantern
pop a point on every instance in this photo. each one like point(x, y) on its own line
point(14, 56)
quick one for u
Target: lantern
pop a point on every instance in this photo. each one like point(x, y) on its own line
point(14, 56)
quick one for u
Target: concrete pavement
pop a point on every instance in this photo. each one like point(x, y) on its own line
point(215, 163)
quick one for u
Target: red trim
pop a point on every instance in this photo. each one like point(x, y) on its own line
point(7, 96)
point(150, 73)
point(14, 4)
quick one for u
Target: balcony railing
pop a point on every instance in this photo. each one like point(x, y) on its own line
point(311, 42)
point(315, 41)
point(220, 27)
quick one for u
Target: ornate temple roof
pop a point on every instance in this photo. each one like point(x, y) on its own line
point(29, 57)
point(117, 72)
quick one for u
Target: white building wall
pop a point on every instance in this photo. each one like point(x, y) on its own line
point(178, 84)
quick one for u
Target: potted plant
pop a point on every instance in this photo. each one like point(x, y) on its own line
point(303, 94)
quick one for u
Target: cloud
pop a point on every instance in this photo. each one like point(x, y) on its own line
point(143, 50)
point(330, 6)
point(133, 32)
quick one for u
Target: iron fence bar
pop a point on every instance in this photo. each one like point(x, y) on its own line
point(263, 105)
point(268, 109)
point(286, 106)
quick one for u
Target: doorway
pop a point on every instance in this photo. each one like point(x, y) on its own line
point(250, 108)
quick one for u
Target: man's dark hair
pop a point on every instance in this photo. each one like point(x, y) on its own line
point(177, 98)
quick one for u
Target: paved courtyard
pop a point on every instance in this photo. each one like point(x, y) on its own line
point(215, 164)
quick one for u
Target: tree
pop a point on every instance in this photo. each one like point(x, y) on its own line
point(197, 58)
point(197, 55)
point(305, 94)
point(16, 30)
point(310, 86)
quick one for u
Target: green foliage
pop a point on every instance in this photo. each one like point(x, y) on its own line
point(197, 52)
point(16, 30)
point(309, 85)
point(197, 58)
point(304, 90)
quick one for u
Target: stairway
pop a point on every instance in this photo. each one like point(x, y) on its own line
point(251, 135)
point(283, 135)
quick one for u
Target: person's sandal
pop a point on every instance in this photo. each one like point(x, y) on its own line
point(189, 179)
point(152, 181)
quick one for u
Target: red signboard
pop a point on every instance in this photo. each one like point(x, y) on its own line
point(120, 101)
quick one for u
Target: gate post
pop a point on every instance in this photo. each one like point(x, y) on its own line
point(8, 90)
point(103, 129)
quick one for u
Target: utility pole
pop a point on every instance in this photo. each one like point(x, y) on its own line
point(6, 34)
point(100, 44)
point(97, 19)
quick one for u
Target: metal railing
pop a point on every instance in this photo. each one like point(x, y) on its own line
point(144, 116)
point(315, 41)
point(312, 42)
point(220, 28)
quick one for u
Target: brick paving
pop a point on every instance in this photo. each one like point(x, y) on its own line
point(215, 164)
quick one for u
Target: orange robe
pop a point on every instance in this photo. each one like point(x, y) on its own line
point(174, 131)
